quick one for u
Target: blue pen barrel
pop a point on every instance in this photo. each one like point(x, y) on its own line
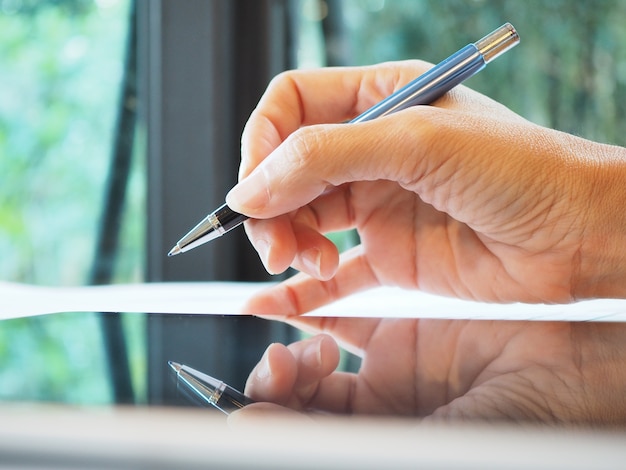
point(430, 85)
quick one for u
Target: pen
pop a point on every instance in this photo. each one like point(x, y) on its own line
point(423, 90)
point(205, 391)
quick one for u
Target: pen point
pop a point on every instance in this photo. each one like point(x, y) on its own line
point(174, 251)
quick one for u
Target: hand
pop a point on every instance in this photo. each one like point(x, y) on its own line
point(465, 370)
point(463, 198)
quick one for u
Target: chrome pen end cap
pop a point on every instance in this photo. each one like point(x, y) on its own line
point(497, 42)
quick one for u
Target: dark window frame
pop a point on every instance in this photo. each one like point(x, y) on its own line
point(203, 66)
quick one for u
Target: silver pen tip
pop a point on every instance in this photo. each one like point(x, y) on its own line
point(174, 365)
point(174, 251)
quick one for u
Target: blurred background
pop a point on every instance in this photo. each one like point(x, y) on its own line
point(119, 129)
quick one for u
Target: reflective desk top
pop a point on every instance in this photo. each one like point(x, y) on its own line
point(110, 358)
point(94, 390)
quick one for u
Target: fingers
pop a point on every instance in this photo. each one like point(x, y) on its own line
point(301, 293)
point(281, 244)
point(274, 377)
point(297, 241)
point(292, 103)
point(293, 100)
point(314, 158)
point(256, 414)
point(352, 334)
point(291, 170)
point(275, 241)
point(291, 375)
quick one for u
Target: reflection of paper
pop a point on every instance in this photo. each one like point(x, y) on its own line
point(19, 300)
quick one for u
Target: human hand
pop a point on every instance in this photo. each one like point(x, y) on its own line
point(462, 198)
point(550, 372)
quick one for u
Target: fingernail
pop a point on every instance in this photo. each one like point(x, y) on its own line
point(250, 194)
point(264, 371)
point(312, 356)
point(264, 247)
point(311, 259)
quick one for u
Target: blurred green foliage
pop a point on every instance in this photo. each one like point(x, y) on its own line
point(61, 65)
point(569, 71)
point(53, 358)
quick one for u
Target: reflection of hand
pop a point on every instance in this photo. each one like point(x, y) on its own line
point(523, 371)
point(462, 198)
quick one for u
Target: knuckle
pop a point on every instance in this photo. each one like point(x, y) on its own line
point(286, 78)
point(426, 133)
point(302, 146)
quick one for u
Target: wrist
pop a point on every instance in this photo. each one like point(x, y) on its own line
point(602, 361)
point(602, 260)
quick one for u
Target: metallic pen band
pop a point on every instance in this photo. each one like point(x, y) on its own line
point(216, 224)
point(497, 42)
point(217, 394)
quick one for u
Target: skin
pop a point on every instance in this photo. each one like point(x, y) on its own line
point(462, 198)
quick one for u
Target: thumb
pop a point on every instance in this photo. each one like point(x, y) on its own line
point(316, 157)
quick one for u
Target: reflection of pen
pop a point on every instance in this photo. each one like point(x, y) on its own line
point(423, 90)
point(205, 390)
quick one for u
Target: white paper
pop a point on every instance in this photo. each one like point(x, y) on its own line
point(227, 298)
point(19, 300)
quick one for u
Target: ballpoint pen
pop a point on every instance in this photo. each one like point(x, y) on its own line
point(423, 90)
point(204, 390)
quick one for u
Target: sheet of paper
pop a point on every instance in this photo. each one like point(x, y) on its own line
point(20, 300)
